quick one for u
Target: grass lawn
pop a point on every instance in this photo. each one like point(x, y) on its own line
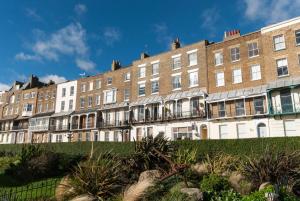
point(33, 190)
point(11, 189)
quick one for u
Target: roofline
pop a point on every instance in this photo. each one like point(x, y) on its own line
point(280, 25)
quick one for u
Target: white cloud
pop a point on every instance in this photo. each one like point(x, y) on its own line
point(209, 19)
point(85, 65)
point(4, 87)
point(27, 57)
point(33, 14)
point(162, 34)
point(80, 9)
point(111, 35)
point(69, 40)
point(271, 11)
point(57, 79)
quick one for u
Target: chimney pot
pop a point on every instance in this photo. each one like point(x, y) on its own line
point(144, 55)
point(176, 44)
point(115, 65)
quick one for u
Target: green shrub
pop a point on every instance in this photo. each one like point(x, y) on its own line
point(37, 163)
point(228, 195)
point(214, 183)
point(235, 147)
point(259, 195)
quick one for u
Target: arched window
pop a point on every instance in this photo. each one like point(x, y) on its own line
point(261, 130)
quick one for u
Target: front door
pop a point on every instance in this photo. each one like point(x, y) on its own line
point(203, 132)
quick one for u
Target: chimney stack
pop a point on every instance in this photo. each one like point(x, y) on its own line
point(176, 44)
point(144, 55)
point(115, 65)
point(231, 34)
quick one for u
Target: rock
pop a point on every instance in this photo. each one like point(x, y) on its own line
point(180, 185)
point(272, 196)
point(200, 168)
point(193, 193)
point(147, 179)
point(264, 185)
point(63, 189)
point(149, 175)
point(239, 183)
point(84, 198)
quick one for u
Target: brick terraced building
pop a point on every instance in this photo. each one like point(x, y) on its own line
point(245, 86)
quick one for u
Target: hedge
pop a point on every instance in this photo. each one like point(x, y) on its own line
point(239, 147)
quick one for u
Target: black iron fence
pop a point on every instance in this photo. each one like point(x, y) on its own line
point(43, 190)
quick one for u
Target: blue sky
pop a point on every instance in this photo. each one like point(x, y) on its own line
point(61, 39)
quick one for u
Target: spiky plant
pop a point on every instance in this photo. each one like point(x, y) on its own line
point(98, 176)
point(146, 156)
point(222, 163)
point(276, 167)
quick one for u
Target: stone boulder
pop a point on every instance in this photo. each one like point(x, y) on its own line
point(84, 198)
point(200, 168)
point(147, 179)
point(193, 193)
point(63, 189)
point(264, 185)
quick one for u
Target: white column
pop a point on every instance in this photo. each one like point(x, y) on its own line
point(78, 121)
point(87, 120)
point(95, 121)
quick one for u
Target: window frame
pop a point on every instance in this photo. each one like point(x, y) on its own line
point(282, 67)
point(235, 54)
point(253, 50)
point(280, 42)
point(237, 78)
point(217, 79)
point(255, 72)
point(177, 85)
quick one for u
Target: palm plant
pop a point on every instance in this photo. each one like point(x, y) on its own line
point(147, 151)
point(99, 177)
point(281, 168)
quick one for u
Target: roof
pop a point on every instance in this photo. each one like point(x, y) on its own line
point(60, 114)
point(22, 118)
point(115, 105)
point(84, 111)
point(9, 118)
point(185, 94)
point(147, 100)
point(284, 83)
point(44, 114)
point(241, 93)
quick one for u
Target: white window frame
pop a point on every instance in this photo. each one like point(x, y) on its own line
point(252, 51)
point(176, 62)
point(220, 81)
point(140, 87)
point(218, 58)
point(280, 65)
point(177, 85)
point(113, 93)
point(154, 68)
point(235, 54)
point(223, 133)
point(192, 58)
point(255, 72)
point(279, 42)
point(156, 87)
point(237, 76)
point(127, 77)
point(193, 79)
